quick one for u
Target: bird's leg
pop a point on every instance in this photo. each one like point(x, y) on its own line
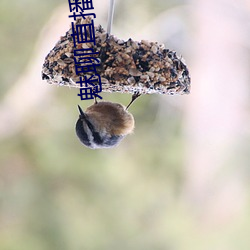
point(95, 100)
point(134, 97)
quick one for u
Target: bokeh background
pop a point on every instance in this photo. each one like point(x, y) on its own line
point(180, 182)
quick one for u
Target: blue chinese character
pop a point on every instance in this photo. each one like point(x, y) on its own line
point(82, 5)
point(87, 4)
point(93, 80)
point(83, 52)
point(82, 67)
point(76, 3)
point(82, 15)
point(81, 60)
point(90, 92)
point(87, 92)
point(81, 33)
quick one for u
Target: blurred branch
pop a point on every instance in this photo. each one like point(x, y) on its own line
point(24, 97)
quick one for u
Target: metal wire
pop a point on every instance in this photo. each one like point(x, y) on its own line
point(110, 15)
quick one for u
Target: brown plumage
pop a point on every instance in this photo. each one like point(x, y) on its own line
point(110, 117)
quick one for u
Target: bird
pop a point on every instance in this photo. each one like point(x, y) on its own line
point(104, 124)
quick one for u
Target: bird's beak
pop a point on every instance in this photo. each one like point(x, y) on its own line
point(82, 115)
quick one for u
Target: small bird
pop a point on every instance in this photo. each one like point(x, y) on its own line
point(104, 124)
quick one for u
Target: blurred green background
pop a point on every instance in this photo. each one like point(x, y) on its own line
point(180, 182)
